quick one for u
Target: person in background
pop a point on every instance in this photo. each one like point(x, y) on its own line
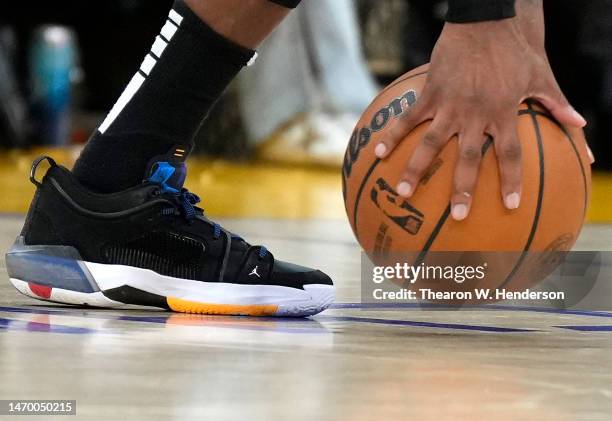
point(301, 99)
point(12, 103)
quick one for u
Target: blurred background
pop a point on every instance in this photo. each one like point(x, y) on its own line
point(63, 63)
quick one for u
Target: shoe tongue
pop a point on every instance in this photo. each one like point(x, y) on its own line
point(169, 171)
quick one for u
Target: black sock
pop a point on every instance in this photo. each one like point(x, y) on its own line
point(185, 72)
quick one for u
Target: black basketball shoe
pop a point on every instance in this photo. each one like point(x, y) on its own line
point(150, 245)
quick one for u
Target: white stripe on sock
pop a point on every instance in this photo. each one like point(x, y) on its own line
point(147, 64)
point(125, 97)
point(252, 59)
point(158, 46)
point(175, 17)
point(168, 30)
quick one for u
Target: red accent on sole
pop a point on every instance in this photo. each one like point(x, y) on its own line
point(40, 290)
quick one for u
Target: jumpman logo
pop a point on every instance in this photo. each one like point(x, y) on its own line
point(254, 272)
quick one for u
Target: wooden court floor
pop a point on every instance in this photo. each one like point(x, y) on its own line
point(348, 363)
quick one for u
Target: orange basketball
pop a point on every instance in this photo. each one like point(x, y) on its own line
point(555, 191)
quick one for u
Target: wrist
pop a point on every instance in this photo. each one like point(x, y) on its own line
point(479, 40)
point(530, 17)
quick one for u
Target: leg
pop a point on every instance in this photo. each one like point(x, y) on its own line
point(200, 49)
point(149, 244)
point(334, 42)
point(246, 22)
point(284, 64)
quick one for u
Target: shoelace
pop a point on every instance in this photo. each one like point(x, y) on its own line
point(188, 202)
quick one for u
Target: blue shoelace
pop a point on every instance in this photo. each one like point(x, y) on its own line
point(188, 201)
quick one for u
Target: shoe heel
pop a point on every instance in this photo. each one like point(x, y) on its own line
point(49, 266)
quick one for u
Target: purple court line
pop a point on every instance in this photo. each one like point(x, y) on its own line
point(390, 322)
point(33, 311)
point(424, 324)
point(10, 324)
point(430, 306)
point(601, 328)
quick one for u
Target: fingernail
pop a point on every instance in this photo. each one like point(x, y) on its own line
point(591, 156)
point(459, 212)
point(513, 200)
point(577, 116)
point(380, 150)
point(404, 189)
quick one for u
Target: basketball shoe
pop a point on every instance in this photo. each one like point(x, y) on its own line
point(315, 138)
point(150, 246)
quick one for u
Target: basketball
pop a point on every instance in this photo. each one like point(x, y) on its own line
point(174, 196)
point(555, 190)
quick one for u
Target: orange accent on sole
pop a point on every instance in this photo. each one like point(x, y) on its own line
point(184, 306)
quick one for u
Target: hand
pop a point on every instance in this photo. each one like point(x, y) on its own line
point(478, 76)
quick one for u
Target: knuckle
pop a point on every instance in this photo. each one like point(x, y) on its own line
point(415, 168)
point(390, 140)
point(433, 140)
point(470, 154)
point(510, 183)
point(396, 135)
point(405, 118)
point(462, 188)
point(511, 152)
point(403, 126)
point(412, 172)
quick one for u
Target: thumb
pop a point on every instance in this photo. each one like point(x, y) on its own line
point(553, 99)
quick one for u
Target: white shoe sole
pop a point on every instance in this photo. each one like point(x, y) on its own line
point(117, 285)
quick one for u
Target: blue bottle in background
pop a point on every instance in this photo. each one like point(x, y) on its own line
point(52, 64)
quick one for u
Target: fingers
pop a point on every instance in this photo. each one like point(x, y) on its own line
point(577, 133)
point(400, 129)
point(550, 95)
point(508, 153)
point(437, 135)
point(466, 171)
point(591, 156)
